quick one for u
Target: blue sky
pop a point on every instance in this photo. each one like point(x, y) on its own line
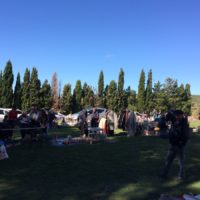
point(78, 38)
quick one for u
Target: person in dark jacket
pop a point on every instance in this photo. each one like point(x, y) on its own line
point(178, 137)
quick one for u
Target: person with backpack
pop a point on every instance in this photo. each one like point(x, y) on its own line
point(178, 137)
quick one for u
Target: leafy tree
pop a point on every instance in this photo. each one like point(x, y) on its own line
point(35, 85)
point(141, 93)
point(18, 92)
point(148, 99)
point(55, 92)
point(45, 95)
point(101, 89)
point(66, 99)
point(26, 91)
point(7, 91)
point(112, 96)
point(1, 87)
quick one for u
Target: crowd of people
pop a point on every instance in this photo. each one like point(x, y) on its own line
point(32, 123)
point(174, 123)
point(108, 122)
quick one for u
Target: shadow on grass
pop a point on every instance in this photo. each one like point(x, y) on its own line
point(126, 169)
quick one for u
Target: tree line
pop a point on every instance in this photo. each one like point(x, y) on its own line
point(30, 91)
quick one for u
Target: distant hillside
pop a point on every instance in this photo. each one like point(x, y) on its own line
point(195, 105)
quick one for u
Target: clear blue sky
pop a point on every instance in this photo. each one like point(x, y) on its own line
point(78, 38)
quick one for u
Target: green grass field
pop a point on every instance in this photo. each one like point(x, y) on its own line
point(122, 169)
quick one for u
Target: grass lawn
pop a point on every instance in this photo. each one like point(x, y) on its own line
point(195, 124)
point(124, 169)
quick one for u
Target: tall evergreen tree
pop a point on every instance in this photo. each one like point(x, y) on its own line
point(87, 96)
point(55, 92)
point(26, 91)
point(1, 88)
point(78, 95)
point(101, 89)
point(18, 93)
point(7, 91)
point(180, 93)
point(66, 99)
point(121, 99)
point(148, 99)
point(131, 99)
point(170, 88)
point(35, 85)
point(187, 107)
point(141, 93)
point(111, 98)
point(45, 95)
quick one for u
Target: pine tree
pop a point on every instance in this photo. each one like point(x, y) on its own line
point(18, 93)
point(55, 92)
point(111, 97)
point(148, 99)
point(78, 95)
point(131, 99)
point(26, 91)
point(188, 100)
point(7, 91)
point(87, 96)
point(45, 95)
point(121, 98)
point(101, 89)
point(141, 93)
point(1, 88)
point(66, 99)
point(170, 89)
point(35, 85)
point(159, 98)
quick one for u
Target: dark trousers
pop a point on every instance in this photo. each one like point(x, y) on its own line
point(174, 151)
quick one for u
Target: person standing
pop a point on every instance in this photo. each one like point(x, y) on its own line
point(131, 123)
point(12, 119)
point(178, 137)
point(94, 118)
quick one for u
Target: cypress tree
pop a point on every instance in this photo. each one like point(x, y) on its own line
point(101, 88)
point(188, 100)
point(112, 96)
point(55, 92)
point(78, 95)
point(45, 95)
point(1, 88)
point(26, 91)
point(7, 91)
point(66, 99)
point(141, 93)
point(148, 99)
point(35, 88)
point(121, 102)
point(18, 93)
